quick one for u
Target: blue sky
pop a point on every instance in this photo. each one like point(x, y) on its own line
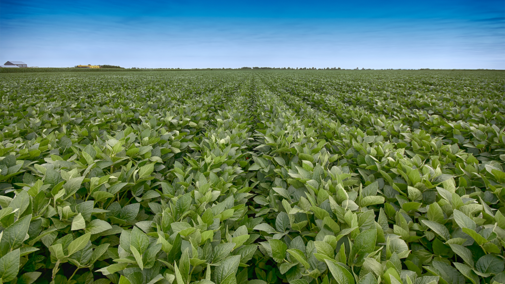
point(188, 34)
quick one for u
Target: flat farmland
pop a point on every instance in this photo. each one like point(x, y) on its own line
point(262, 176)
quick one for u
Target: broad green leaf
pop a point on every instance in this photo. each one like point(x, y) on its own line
point(228, 267)
point(282, 222)
point(113, 268)
point(266, 228)
point(97, 226)
point(299, 256)
point(448, 273)
point(435, 213)
point(340, 273)
point(78, 244)
point(441, 230)
point(371, 189)
point(78, 223)
point(9, 265)
point(146, 171)
point(178, 276)
point(222, 251)
point(139, 240)
point(129, 212)
point(464, 221)
point(278, 249)
point(365, 241)
point(29, 277)
point(368, 279)
point(14, 235)
point(73, 185)
point(137, 256)
point(463, 252)
point(467, 272)
point(372, 200)
point(476, 236)
point(98, 252)
point(124, 280)
point(490, 264)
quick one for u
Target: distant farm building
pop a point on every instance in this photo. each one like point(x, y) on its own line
point(88, 66)
point(16, 63)
point(9, 66)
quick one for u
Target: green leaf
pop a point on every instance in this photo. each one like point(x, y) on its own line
point(464, 221)
point(9, 265)
point(146, 171)
point(139, 240)
point(280, 161)
point(325, 249)
point(15, 234)
point(463, 252)
point(340, 273)
point(297, 281)
point(221, 251)
point(391, 276)
point(441, 230)
point(368, 279)
point(476, 236)
point(441, 178)
point(137, 256)
point(490, 264)
point(414, 176)
point(29, 277)
point(299, 256)
point(266, 228)
point(371, 200)
point(448, 273)
point(111, 269)
point(282, 222)
point(371, 189)
point(98, 252)
point(178, 276)
point(365, 241)
point(240, 240)
point(411, 206)
point(184, 265)
point(97, 226)
point(228, 267)
point(328, 221)
point(285, 266)
point(20, 202)
point(124, 280)
point(467, 272)
point(435, 213)
point(278, 249)
point(78, 244)
point(73, 185)
point(78, 223)
point(129, 212)
point(371, 264)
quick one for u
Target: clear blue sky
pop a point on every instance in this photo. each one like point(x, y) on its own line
point(201, 34)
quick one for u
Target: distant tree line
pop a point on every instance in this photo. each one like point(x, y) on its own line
point(110, 66)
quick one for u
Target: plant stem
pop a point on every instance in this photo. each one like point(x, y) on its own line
point(73, 273)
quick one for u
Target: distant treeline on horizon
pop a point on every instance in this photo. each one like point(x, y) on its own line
point(118, 68)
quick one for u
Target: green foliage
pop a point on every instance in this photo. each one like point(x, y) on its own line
point(243, 177)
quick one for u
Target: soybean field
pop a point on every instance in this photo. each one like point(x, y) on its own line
point(258, 176)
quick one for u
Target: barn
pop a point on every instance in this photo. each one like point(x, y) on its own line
point(16, 63)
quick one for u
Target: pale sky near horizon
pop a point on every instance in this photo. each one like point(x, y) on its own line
point(200, 34)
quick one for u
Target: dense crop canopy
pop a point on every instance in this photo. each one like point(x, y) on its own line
point(225, 177)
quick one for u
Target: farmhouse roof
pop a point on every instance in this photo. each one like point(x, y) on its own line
point(16, 62)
